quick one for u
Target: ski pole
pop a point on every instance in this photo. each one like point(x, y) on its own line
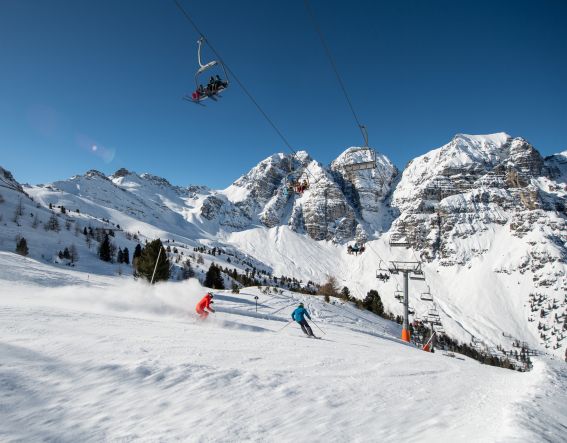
point(287, 324)
point(318, 327)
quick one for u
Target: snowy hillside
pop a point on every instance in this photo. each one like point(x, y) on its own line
point(107, 359)
point(485, 215)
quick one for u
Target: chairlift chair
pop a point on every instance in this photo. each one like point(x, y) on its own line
point(362, 165)
point(426, 296)
point(382, 273)
point(399, 294)
point(399, 240)
point(212, 94)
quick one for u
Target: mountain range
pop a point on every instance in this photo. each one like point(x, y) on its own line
point(485, 215)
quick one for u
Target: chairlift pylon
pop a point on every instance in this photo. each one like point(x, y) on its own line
point(215, 86)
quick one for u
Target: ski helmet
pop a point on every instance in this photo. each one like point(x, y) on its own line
point(301, 305)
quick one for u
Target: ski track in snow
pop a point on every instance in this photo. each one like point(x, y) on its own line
point(118, 360)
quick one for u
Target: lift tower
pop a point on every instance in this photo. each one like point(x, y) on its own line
point(406, 268)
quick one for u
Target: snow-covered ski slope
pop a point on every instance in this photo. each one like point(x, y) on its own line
point(93, 358)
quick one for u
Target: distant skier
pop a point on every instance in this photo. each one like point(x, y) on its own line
point(299, 316)
point(204, 306)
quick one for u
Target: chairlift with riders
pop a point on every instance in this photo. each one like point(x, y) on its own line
point(296, 181)
point(215, 85)
point(382, 273)
point(357, 248)
point(398, 293)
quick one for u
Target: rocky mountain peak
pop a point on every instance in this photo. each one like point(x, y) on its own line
point(93, 173)
point(122, 172)
point(7, 180)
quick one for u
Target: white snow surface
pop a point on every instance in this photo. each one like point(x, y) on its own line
point(105, 359)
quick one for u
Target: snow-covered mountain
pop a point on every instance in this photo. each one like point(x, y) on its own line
point(484, 213)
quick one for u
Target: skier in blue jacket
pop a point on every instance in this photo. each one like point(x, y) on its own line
point(299, 316)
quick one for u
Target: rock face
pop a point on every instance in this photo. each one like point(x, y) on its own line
point(462, 188)
point(337, 205)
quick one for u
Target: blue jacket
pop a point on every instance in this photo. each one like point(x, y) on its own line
point(299, 314)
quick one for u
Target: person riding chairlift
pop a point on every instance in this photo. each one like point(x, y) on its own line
point(199, 92)
point(212, 86)
point(220, 84)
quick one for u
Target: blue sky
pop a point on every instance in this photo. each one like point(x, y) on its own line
point(111, 74)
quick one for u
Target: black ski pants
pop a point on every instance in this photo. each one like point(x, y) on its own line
point(305, 327)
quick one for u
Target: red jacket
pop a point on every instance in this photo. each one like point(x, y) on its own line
point(205, 303)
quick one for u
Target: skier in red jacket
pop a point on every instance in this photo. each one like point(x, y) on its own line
point(204, 306)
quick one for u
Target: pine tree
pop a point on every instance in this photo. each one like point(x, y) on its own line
point(373, 302)
point(85, 233)
point(137, 251)
point(104, 249)
point(136, 257)
point(345, 293)
point(22, 247)
point(66, 254)
point(119, 256)
point(213, 278)
point(187, 270)
point(126, 256)
point(147, 262)
point(52, 224)
point(73, 254)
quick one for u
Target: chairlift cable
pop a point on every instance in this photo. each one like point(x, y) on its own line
point(233, 75)
point(361, 127)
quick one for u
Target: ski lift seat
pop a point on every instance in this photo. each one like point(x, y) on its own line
point(361, 166)
point(397, 239)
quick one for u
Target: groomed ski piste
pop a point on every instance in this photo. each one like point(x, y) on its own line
point(99, 358)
